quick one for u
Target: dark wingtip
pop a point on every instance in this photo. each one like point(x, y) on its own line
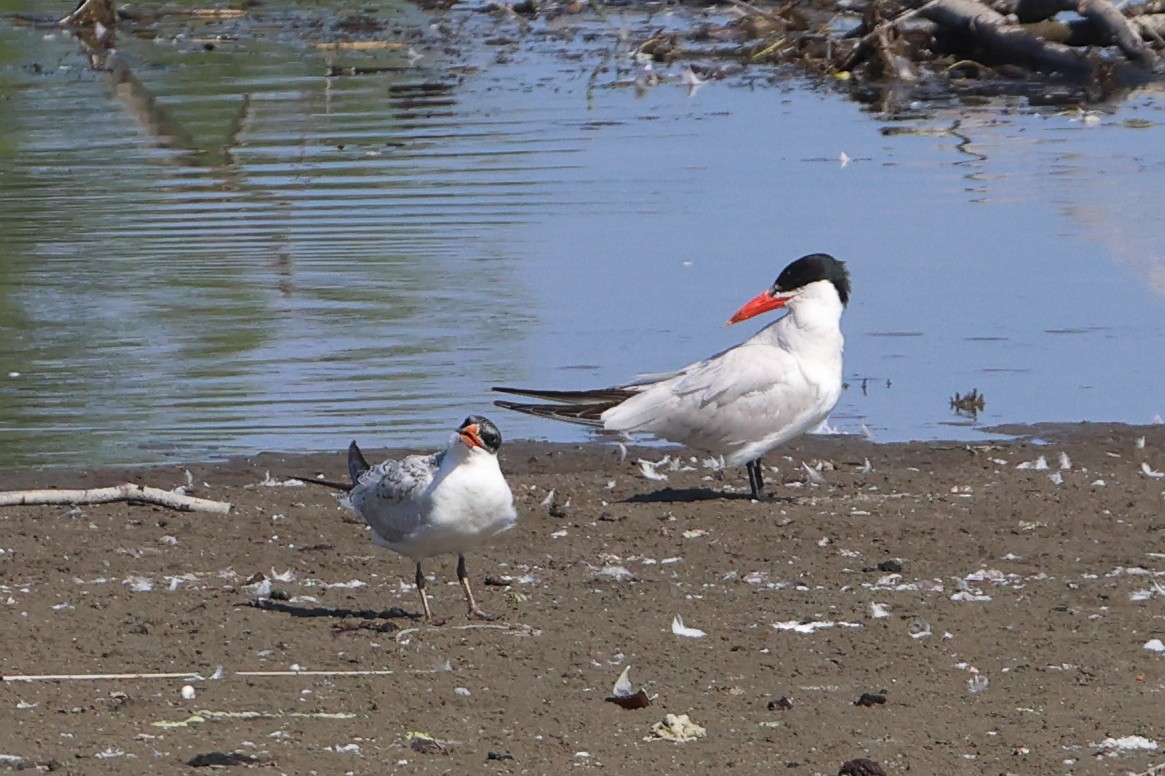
point(356, 463)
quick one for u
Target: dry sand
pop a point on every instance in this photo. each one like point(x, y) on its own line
point(1039, 588)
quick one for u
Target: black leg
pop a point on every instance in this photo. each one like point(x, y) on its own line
point(463, 578)
point(756, 479)
point(420, 579)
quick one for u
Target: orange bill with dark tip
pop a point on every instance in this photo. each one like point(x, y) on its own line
point(471, 435)
point(763, 302)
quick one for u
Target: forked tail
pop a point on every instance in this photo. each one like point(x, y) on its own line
point(583, 407)
point(356, 463)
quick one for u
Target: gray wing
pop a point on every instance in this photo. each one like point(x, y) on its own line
point(391, 497)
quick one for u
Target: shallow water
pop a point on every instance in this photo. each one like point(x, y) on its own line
point(210, 252)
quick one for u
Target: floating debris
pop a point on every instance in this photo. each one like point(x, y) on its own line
point(968, 404)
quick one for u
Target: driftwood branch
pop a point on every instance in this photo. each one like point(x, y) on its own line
point(124, 492)
point(92, 12)
point(1116, 27)
point(1084, 32)
point(992, 31)
point(1021, 32)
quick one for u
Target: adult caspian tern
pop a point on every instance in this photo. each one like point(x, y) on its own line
point(743, 402)
point(426, 505)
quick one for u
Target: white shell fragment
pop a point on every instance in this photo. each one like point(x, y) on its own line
point(1155, 645)
point(1127, 744)
point(648, 468)
point(139, 584)
point(271, 482)
point(676, 727)
point(919, 629)
point(618, 573)
point(262, 589)
point(808, 627)
point(188, 692)
point(815, 477)
point(678, 628)
point(623, 686)
point(625, 695)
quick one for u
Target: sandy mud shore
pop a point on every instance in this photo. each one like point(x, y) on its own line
point(998, 606)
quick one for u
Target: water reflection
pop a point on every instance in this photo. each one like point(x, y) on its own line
point(226, 249)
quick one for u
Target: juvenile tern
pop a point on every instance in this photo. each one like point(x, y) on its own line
point(743, 402)
point(424, 505)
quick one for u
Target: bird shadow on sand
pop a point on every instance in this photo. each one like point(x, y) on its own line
point(344, 619)
point(689, 495)
point(685, 494)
